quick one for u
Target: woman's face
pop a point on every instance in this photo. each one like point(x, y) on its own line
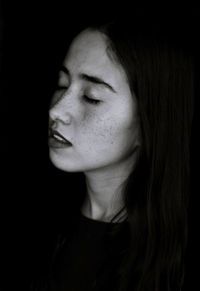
point(93, 109)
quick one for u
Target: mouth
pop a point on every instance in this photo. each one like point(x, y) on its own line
point(57, 140)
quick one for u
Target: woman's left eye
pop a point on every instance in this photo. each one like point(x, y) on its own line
point(90, 100)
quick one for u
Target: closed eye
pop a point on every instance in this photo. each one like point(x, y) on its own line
point(90, 100)
point(86, 98)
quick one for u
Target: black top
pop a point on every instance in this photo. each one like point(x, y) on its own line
point(90, 258)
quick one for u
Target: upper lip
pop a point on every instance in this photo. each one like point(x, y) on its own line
point(53, 132)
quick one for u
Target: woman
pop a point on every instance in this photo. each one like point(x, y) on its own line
point(122, 116)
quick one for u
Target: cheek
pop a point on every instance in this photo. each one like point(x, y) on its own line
point(107, 129)
point(98, 130)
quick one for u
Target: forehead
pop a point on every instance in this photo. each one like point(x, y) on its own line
point(89, 39)
point(89, 52)
point(88, 46)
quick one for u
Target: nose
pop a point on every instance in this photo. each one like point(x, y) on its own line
point(59, 112)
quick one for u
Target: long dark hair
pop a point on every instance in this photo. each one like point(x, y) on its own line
point(159, 67)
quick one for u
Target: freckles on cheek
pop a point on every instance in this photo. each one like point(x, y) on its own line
point(97, 130)
point(110, 134)
point(107, 132)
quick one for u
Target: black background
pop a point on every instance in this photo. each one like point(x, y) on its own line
point(34, 36)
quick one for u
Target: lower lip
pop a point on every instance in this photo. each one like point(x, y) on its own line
point(54, 143)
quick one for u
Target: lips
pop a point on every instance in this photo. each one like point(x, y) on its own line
point(56, 139)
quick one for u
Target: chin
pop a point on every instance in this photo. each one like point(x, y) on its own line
point(64, 165)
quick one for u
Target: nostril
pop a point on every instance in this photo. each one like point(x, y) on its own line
point(67, 118)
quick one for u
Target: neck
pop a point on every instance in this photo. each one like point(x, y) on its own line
point(104, 196)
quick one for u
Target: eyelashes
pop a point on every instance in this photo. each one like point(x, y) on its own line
point(85, 97)
point(90, 100)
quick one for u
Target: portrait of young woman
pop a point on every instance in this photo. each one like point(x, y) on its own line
point(99, 151)
point(121, 119)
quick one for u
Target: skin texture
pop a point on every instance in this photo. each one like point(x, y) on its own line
point(104, 136)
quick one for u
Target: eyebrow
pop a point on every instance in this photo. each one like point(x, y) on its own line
point(93, 79)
